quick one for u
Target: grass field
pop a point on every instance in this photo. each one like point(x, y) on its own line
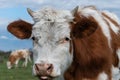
point(19, 73)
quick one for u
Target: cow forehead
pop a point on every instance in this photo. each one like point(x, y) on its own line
point(51, 30)
point(51, 14)
point(49, 21)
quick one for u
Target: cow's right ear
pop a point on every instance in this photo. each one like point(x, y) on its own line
point(21, 29)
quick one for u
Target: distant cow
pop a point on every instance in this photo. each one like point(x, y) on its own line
point(82, 44)
point(17, 55)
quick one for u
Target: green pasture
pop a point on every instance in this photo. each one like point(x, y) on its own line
point(19, 73)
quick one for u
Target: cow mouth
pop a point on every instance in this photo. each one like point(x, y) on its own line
point(45, 77)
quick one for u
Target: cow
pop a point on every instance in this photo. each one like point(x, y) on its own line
point(82, 44)
point(17, 55)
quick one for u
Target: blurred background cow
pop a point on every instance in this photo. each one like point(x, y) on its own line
point(17, 55)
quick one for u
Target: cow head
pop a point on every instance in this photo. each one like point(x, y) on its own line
point(51, 35)
point(9, 65)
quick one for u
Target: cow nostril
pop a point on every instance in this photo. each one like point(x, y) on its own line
point(50, 68)
point(36, 66)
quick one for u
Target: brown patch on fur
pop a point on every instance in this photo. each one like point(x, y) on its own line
point(113, 21)
point(84, 26)
point(20, 54)
point(13, 58)
point(20, 29)
point(91, 51)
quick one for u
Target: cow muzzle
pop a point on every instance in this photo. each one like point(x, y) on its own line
point(43, 71)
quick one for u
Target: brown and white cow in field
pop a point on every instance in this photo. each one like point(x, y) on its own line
point(82, 44)
point(16, 55)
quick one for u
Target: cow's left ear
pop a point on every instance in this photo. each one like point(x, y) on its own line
point(83, 26)
point(21, 29)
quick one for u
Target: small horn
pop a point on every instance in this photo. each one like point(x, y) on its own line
point(75, 10)
point(30, 11)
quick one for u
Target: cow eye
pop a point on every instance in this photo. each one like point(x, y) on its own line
point(36, 38)
point(67, 39)
point(49, 19)
point(33, 38)
point(64, 40)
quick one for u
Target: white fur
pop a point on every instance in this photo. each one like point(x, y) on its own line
point(103, 76)
point(54, 15)
point(116, 77)
point(115, 72)
point(9, 66)
point(114, 17)
point(49, 34)
point(118, 53)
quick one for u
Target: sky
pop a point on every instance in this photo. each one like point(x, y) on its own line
point(11, 10)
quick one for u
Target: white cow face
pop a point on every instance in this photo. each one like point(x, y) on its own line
point(51, 40)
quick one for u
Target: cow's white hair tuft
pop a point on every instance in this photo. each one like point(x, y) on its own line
point(115, 18)
point(51, 14)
